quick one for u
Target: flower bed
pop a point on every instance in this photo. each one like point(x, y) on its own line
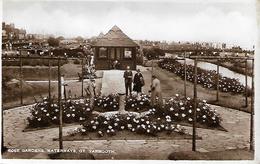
point(207, 78)
point(176, 110)
point(47, 113)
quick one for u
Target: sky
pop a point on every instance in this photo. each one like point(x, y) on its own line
point(229, 21)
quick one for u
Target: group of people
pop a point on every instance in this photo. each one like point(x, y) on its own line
point(138, 81)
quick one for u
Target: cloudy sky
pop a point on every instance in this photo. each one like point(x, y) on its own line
point(230, 21)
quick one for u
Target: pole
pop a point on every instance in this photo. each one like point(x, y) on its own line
point(152, 70)
point(246, 103)
point(185, 75)
point(195, 107)
point(60, 107)
point(82, 82)
point(49, 63)
point(252, 111)
point(21, 79)
point(217, 96)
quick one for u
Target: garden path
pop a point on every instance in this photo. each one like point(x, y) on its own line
point(236, 122)
point(113, 82)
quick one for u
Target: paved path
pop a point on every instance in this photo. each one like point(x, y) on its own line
point(113, 82)
point(236, 122)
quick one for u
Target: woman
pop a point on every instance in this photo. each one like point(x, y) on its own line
point(138, 82)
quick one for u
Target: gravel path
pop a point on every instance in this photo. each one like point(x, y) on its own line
point(236, 122)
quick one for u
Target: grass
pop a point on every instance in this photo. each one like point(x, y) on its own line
point(172, 84)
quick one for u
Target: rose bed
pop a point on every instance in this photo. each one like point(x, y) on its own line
point(141, 119)
point(206, 78)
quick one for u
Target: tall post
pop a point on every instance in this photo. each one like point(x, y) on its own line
point(49, 64)
point(195, 107)
point(185, 75)
point(82, 82)
point(252, 111)
point(217, 96)
point(152, 70)
point(21, 78)
point(246, 100)
point(60, 107)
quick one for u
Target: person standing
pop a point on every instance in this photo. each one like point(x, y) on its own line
point(138, 82)
point(128, 75)
point(156, 91)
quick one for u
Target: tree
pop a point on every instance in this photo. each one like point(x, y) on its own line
point(60, 38)
point(54, 42)
point(79, 39)
point(153, 53)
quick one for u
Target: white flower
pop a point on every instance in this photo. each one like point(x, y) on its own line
point(167, 117)
point(148, 130)
point(88, 109)
point(54, 117)
point(133, 129)
point(177, 95)
point(190, 119)
point(182, 108)
point(94, 127)
point(171, 109)
point(83, 130)
point(128, 118)
point(132, 105)
point(176, 114)
point(108, 131)
point(96, 122)
point(114, 106)
point(105, 105)
point(162, 126)
point(73, 115)
point(183, 115)
point(99, 132)
point(213, 118)
point(153, 109)
point(204, 116)
point(129, 125)
point(116, 124)
point(158, 118)
point(168, 120)
point(56, 110)
point(68, 115)
point(190, 111)
point(47, 114)
point(159, 128)
point(92, 121)
point(198, 109)
point(181, 103)
point(188, 98)
point(117, 119)
point(141, 103)
point(109, 127)
point(142, 119)
point(36, 112)
point(178, 126)
point(122, 127)
point(112, 130)
point(204, 101)
point(105, 122)
point(39, 119)
point(147, 122)
point(45, 110)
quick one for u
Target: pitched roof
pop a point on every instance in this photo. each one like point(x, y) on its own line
point(115, 38)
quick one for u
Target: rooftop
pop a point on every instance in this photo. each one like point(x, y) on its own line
point(115, 37)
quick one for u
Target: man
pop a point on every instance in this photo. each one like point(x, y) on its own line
point(128, 75)
point(156, 91)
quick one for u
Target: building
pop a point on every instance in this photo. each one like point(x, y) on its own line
point(115, 46)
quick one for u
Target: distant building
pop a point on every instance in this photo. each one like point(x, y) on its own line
point(115, 46)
